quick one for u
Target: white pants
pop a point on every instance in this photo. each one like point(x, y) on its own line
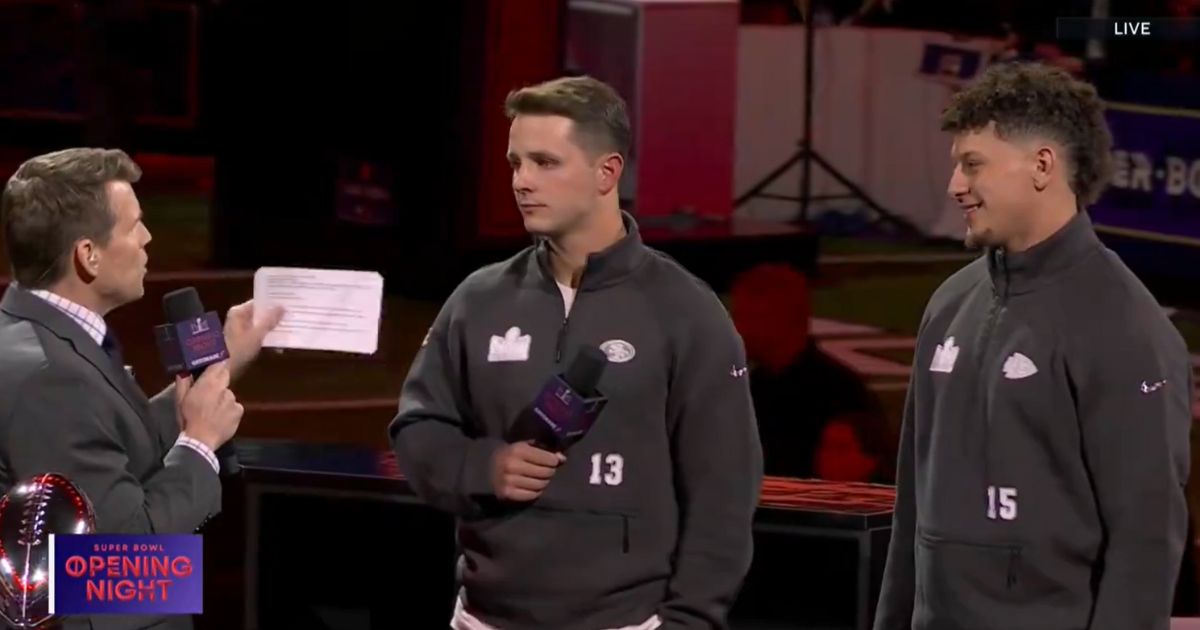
point(464, 620)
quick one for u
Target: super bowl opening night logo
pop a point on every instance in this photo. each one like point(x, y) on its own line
point(112, 574)
point(127, 574)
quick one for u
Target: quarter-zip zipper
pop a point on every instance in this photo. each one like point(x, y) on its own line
point(994, 308)
point(562, 335)
point(1014, 559)
point(562, 330)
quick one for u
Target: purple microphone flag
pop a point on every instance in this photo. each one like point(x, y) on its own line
point(190, 345)
point(567, 414)
point(96, 574)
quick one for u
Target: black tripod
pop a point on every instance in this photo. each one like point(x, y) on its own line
point(806, 155)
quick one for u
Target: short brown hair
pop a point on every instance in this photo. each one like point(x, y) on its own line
point(52, 201)
point(598, 111)
point(1026, 99)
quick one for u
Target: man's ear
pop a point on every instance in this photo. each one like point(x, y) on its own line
point(609, 171)
point(86, 258)
point(1045, 163)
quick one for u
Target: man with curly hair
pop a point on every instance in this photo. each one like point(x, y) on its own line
point(1044, 447)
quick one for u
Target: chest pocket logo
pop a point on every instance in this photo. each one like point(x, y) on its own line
point(944, 357)
point(1019, 366)
point(618, 350)
point(513, 346)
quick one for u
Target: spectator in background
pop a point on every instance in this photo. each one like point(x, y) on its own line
point(828, 12)
point(1185, 61)
point(933, 15)
point(1163, 57)
point(1030, 33)
point(1152, 71)
point(769, 12)
point(816, 416)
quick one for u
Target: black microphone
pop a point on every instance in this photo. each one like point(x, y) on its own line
point(190, 341)
point(569, 404)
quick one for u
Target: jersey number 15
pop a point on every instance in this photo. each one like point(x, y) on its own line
point(1002, 503)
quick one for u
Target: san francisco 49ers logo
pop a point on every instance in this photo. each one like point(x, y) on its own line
point(618, 350)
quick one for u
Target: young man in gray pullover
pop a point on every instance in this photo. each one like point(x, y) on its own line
point(1044, 450)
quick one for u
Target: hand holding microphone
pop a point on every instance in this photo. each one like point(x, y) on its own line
point(560, 416)
point(208, 410)
point(192, 346)
point(521, 471)
point(569, 403)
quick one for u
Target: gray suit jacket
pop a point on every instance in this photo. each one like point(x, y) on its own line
point(65, 408)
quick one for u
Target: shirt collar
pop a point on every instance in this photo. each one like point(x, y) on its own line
point(91, 322)
point(1022, 272)
point(607, 267)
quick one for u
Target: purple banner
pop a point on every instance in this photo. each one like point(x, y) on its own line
point(1155, 191)
point(126, 574)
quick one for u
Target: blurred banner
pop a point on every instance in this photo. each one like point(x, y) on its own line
point(93, 61)
point(1155, 192)
point(661, 54)
point(364, 191)
point(96, 574)
point(879, 95)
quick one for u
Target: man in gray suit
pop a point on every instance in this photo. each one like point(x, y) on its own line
point(76, 245)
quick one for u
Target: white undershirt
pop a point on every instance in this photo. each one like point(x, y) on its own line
point(568, 294)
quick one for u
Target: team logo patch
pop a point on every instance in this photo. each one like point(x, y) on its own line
point(618, 350)
point(1018, 366)
point(944, 357)
point(513, 346)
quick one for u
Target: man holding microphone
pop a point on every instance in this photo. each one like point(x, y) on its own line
point(76, 244)
point(643, 523)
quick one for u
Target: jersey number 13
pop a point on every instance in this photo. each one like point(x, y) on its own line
point(607, 470)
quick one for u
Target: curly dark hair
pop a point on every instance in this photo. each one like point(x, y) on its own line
point(1032, 99)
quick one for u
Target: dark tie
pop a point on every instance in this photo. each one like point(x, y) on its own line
point(112, 348)
point(126, 381)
